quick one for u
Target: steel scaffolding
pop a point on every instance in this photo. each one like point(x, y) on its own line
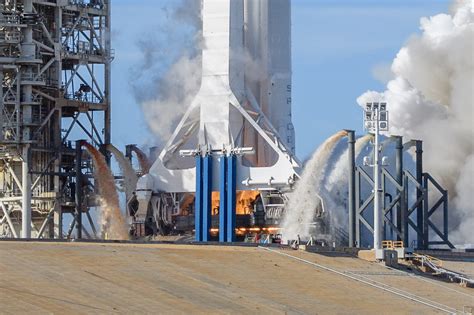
point(55, 61)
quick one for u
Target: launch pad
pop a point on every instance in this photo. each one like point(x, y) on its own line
point(227, 170)
point(138, 278)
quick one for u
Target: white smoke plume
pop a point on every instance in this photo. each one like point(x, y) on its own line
point(169, 74)
point(431, 98)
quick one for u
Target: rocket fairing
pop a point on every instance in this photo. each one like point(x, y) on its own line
point(244, 100)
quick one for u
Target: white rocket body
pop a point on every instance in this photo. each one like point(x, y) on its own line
point(244, 100)
point(268, 44)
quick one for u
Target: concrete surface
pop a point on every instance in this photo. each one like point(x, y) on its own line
point(94, 278)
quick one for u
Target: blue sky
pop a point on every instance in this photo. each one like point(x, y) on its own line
point(336, 45)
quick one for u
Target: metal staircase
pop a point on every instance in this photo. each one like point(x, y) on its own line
point(435, 265)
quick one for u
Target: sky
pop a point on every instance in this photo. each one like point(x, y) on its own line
point(340, 49)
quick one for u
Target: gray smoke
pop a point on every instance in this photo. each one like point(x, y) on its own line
point(431, 98)
point(169, 73)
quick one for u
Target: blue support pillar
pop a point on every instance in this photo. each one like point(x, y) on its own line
point(198, 200)
point(231, 192)
point(222, 198)
point(207, 198)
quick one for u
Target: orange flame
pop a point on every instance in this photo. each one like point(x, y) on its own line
point(244, 200)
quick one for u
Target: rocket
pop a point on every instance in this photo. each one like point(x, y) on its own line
point(243, 106)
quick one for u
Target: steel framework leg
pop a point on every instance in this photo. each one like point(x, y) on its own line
point(419, 179)
point(231, 196)
point(198, 200)
point(207, 198)
point(79, 189)
point(26, 197)
point(352, 190)
point(399, 178)
point(223, 199)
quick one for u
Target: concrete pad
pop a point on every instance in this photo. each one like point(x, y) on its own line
point(95, 278)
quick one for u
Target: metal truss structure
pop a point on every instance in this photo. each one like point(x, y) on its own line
point(411, 201)
point(55, 61)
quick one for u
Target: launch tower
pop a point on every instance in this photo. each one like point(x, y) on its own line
point(55, 72)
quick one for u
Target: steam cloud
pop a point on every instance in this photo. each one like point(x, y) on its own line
point(431, 98)
point(169, 75)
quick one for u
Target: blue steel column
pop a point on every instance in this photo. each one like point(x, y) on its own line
point(231, 192)
point(207, 198)
point(198, 200)
point(222, 198)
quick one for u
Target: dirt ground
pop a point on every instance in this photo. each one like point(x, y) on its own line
point(95, 278)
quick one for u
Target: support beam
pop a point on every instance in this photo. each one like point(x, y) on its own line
point(2, 105)
point(44, 224)
point(6, 215)
point(357, 204)
point(207, 198)
point(79, 189)
point(198, 200)
point(26, 197)
point(399, 178)
point(419, 193)
point(352, 192)
point(223, 198)
point(107, 79)
point(231, 197)
point(58, 222)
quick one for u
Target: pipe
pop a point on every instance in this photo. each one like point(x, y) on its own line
point(419, 193)
point(223, 198)
point(198, 201)
point(401, 207)
point(108, 78)
point(231, 197)
point(128, 151)
point(78, 196)
point(378, 216)
point(1, 103)
point(28, 52)
point(207, 197)
point(352, 192)
point(26, 196)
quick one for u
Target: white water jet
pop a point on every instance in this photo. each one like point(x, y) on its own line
point(111, 219)
point(337, 184)
point(304, 202)
point(130, 178)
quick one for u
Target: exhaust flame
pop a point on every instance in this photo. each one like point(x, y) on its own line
point(244, 200)
point(111, 219)
point(303, 202)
